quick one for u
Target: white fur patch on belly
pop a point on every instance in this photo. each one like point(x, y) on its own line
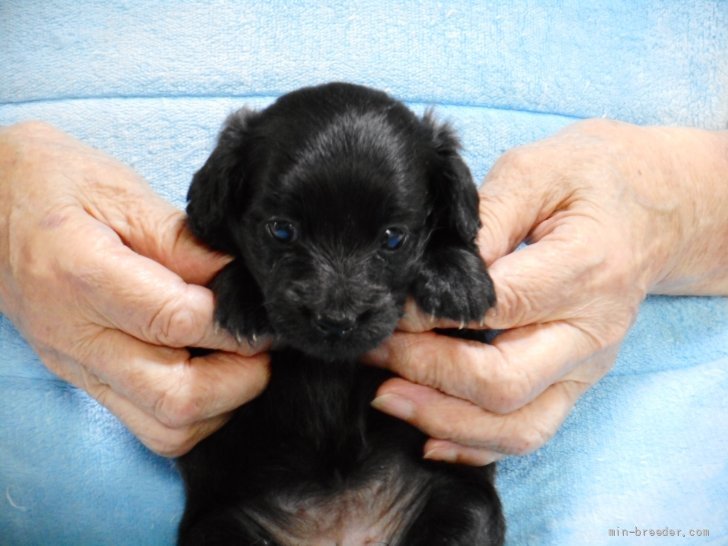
point(376, 513)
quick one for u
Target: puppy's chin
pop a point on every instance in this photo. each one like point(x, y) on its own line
point(330, 350)
point(301, 335)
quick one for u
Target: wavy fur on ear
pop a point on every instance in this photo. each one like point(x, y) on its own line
point(453, 281)
point(455, 198)
point(218, 188)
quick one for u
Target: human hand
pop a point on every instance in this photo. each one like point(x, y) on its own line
point(611, 212)
point(102, 278)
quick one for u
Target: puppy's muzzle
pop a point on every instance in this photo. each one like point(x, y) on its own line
point(337, 325)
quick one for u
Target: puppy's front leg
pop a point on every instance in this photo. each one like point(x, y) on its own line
point(239, 303)
point(454, 284)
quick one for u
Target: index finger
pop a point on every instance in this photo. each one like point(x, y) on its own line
point(170, 385)
point(516, 195)
point(124, 290)
point(456, 421)
point(548, 279)
point(517, 367)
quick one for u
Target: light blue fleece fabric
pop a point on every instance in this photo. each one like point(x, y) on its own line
point(151, 81)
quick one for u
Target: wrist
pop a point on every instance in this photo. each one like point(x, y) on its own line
point(7, 160)
point(695, 168)
point(675, 202)
point(640, 188)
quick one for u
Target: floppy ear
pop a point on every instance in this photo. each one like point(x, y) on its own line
point(452, 281)
point(454, 196)
point(218, 188)
point(219, 193)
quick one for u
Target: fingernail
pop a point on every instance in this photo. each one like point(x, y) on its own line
point(395, 406)
point(444, 454)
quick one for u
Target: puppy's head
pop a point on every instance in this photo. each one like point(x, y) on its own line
point(336, 200)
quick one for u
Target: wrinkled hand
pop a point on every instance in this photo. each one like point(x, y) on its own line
point(608, 215)
point(97, 272)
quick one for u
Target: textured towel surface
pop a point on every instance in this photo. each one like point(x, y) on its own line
point(151, 81)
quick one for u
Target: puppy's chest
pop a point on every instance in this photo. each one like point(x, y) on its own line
point(356, 480)
point(322, 409)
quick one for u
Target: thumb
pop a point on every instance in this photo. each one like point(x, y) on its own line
point(517, 197)
point(180, 251)
point(512, 201)
point(527, 292)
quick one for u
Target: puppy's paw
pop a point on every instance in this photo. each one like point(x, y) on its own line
point(239, 303)
point(454, 284)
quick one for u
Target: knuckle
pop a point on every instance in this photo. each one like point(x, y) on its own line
point(175, 324)
point(410, 356)
point(434, 428)
point(531, 297)
point(507, 398)
point(527, 440)
point(517, 160)
point(504, 389)
point(511, 305)
point(172, 443)
point(32, 128)
point(457, 355)
point(178, 408)
point(584, 246)
point(595, 125)
point(442, 427)
point(462, 364)
point(603, 337)
point(176, 412)
point(600, 335)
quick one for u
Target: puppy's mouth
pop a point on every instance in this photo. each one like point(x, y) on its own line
point(337, 326)
point(334, 336)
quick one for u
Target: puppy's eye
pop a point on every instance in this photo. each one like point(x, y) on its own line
point(282, 231)
point(394, 238)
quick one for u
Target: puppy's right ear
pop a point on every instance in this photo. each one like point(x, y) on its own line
point(219, 188)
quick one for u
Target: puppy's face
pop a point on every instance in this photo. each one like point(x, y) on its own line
point(334, 246)
point(328, 200)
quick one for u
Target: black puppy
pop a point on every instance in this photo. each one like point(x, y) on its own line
point(337, 202)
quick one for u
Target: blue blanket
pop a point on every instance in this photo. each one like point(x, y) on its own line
point(151, 81)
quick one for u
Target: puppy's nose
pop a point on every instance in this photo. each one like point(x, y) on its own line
point(335, 324)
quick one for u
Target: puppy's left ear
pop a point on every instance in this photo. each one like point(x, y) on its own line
point(453, 282)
